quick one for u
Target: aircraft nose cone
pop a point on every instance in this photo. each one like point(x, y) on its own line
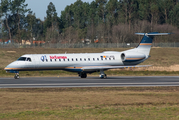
point(11, 66)
point(8, 67)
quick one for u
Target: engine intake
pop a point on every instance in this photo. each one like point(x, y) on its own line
point(132, 57)
point(123, 57)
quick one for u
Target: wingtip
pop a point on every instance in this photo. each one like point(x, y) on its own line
point(140, 33)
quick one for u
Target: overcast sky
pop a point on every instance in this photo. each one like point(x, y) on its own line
point(39, 7)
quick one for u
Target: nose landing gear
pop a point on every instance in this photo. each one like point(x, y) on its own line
point(102, 74)
point(16, 76)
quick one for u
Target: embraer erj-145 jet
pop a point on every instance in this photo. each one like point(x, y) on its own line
point(84, 63)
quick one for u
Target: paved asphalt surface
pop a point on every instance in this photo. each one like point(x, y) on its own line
point(48, 82)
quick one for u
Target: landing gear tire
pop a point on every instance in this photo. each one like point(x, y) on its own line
point(83, 75)
point(16, 76)
point(102, 76)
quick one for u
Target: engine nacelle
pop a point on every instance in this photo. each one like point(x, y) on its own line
point(132, 57)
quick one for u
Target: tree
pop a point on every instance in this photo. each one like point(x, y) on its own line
point(132, 11)
point(1, 26)
point(19, 8)
point(124, 12)
point(110, 17)
point(31, 21)
point(174, 14)
point(51, 22)
point(154, 10)
point(144, 10)
point(166, 6)
point(101, 14)
point(112, 7)
point(149, 10)
point(93, 19)
point(85, 15)
point(67, 16)
point(34, 27)
point(101, 9)
point(77, 11)
point(6, 6)
point(51, 19)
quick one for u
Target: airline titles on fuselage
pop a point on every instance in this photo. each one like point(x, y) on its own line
point(44, 57)
point(108, 57)
point(58, 57)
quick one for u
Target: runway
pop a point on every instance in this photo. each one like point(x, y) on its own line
point(49, 82)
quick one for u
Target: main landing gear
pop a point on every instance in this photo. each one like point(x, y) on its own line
point(102, 74)
point(83, 75)
point(16, 76)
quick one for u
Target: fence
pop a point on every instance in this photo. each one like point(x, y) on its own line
point(81, 45)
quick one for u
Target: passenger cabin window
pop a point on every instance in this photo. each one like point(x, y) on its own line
point(93, 59)
point(89, 59)
point(59, 59)
point(97, 58)
point(76, 59)
point(84, 59)
point(80, 59)
point(105, 58)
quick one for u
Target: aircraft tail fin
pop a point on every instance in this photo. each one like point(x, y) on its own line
point(146, 42)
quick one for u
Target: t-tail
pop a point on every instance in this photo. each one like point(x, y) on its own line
point(142, 51)
point(146, 42)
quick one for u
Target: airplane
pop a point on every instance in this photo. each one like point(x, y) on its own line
point(84, 63)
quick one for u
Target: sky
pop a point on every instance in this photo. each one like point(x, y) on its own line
point(39, 7)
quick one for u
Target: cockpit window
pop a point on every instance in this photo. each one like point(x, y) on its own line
point(29, 59)
point(22, 59)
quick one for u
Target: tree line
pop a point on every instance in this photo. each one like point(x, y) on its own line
point(109, 21)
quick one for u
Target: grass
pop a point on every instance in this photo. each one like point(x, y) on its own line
point(90, 103)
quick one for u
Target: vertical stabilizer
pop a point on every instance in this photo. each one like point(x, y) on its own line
point(146, 42)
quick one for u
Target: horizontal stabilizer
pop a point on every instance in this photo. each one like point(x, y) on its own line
point(152, 34)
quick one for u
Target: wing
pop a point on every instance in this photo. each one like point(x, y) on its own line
point(90, 68)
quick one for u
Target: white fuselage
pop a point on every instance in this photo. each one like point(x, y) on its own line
point(69, 62)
